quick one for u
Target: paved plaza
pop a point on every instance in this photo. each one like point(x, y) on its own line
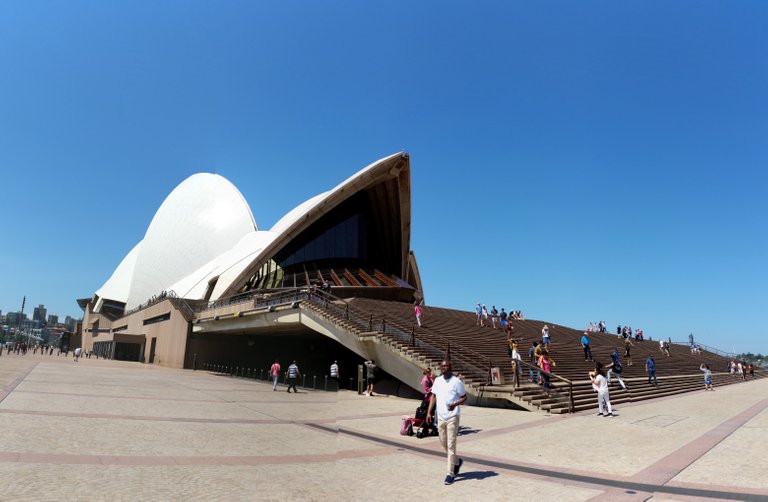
point(111, 430)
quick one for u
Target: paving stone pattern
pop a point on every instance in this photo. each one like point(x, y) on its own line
point(110, 430)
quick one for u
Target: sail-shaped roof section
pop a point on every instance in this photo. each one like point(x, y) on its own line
point(203, 242)
point(201, 219)
point(385, 187)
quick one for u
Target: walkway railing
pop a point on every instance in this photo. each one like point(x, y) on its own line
point(316, 382)
point(557, 392)
point(257, 301)
point(464, 360)
point(171, 295)
point(708, 349)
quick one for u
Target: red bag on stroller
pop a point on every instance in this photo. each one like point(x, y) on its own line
point(409, 425)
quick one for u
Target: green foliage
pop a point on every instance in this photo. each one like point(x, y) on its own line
point(749, 357)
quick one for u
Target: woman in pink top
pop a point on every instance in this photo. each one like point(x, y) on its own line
point(426, 382)
point(546, 363)
point(417, 311)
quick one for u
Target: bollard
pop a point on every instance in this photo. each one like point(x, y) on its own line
point(351, 381)
point(194, 363)
point(326, 383)
point(314, 381)
point(262, 374)
point(304, 381)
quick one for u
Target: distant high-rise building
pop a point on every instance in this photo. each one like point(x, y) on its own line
point(69, 322)
point(15, 318)
point(53, 320)
point(38, 317)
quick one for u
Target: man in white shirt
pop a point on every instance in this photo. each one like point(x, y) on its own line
point(447, 395)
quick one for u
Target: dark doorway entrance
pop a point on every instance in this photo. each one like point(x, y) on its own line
point(152, 350)
point(127, 351)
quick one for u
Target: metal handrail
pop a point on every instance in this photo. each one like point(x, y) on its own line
point(571, 405)
point(483, 359)
point(165, 295)
point(708, 348)
point(257, 301)
point(363, 321)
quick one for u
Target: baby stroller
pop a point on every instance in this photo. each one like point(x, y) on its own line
point(419, 425)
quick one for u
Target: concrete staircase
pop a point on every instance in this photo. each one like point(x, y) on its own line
point(475, 349)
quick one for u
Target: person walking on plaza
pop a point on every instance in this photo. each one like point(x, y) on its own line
point(600, 384)
point(417, 312)
point(293, 374)
point(274, 374)
point(585, 346)
point(447, 396)
point(707, 377)
point(371, 371)
point(335, 374)
point(650, 368)
point(76, 353)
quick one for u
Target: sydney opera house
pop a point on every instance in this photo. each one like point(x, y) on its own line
point(203, 252)
point(207, 289)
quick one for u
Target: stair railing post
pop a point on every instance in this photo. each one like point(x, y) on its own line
point(370, 323)
point(413, 336)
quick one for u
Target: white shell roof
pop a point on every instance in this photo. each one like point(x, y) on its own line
point(118, 286)
point(204, 230)
point(225, 267)
point(202, 218)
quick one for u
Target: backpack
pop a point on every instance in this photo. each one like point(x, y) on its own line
point(421, 411)
point(616, 364)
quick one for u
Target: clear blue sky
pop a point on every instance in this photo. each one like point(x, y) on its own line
point(578, 161)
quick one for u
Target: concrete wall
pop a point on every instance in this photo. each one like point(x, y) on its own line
point(171, 334)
